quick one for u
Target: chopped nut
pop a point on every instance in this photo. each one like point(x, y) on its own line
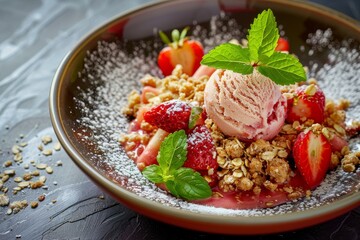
point(24, 184)
point(18, 205)
point(41, 166)
point(35, 173)
point(57, 146)
point(18, 157)
point(42, 179)
point(10, 172)
point(17, 179)
point(4, 200)
point(41, 147)
point(49, 170)
point(46, 139)
point(23, 144)
point(59, 163)
point(41, 197)
point(8, 163)
point(34, 204)
point(47, 152)
point(16, 149)
point(27, 176)
point(36, 184)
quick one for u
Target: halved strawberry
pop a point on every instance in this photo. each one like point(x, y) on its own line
point(201, 154)
point(170, 116)
point(282, 45)
point(308, 103)
point(312, 155)
point(181, 50)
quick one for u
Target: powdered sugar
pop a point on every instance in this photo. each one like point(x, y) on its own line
point(115, 68)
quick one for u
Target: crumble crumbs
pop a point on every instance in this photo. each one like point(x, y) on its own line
point(244, 166)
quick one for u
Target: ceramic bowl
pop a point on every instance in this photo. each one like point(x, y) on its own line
point(92, 83)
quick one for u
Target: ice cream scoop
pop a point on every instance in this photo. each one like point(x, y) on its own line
point(248, 107)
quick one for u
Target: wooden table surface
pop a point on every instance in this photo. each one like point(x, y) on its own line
point(34, 37)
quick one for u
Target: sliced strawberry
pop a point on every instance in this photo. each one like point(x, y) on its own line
point(337, 143)
point(187, 53)
point(170, 116)
point(204, 70)
point(308, 103)
point(282, 45)
point(148, 156)
point(201, 150)
point(312, 155)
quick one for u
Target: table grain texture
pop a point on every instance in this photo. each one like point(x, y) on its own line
point(34, 37)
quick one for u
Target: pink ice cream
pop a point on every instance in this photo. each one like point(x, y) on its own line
point(248, 107)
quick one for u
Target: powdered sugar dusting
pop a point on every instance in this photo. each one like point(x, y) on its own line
point(112, 71)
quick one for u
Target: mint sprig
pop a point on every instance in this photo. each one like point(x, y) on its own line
point(181, 182)
point(260, 54)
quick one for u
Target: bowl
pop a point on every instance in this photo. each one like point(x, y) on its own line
point(92, 82)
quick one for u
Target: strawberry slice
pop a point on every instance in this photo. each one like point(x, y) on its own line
point(181, 50)
point(148, 156)
point(308, 103)
point(201, 150)
point(312, 155)
point(282, 45)
point(170, 116)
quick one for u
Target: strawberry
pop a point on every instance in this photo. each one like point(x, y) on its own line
point(201, 149)
point(170, 116)
point(282, 45)
point(308, 103)
point(188, 53)
point(312, 155)
point(148, 156)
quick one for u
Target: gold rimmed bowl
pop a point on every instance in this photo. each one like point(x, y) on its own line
point(92, 83)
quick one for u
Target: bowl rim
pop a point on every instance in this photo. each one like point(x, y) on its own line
point(231, 224)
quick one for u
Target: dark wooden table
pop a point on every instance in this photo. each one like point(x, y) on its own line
point(34, 37)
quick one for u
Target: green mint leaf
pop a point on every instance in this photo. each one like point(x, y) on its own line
point(282, 68)
point(263, 35)
point(173, 151)
point(190, 185)
point(171, 186)
point(229, 56)
point(153, 173)
point(194, 116)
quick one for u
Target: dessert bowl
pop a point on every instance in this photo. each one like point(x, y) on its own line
point(92, 83)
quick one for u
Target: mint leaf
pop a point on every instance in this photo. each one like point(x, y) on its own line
point(153, 173)
point(263, 35)
point(171, 186)
point(173, 151)
point(194, 116)
point(190, 185)
point(181, 182)
point(229, 56)
point(282, 68)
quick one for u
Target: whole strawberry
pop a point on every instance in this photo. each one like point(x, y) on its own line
point(181, 50)
point(201, 153)
point(170, 116)
point(312, 156)
point(308, 103)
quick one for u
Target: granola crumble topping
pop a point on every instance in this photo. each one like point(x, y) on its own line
point(245, 166)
